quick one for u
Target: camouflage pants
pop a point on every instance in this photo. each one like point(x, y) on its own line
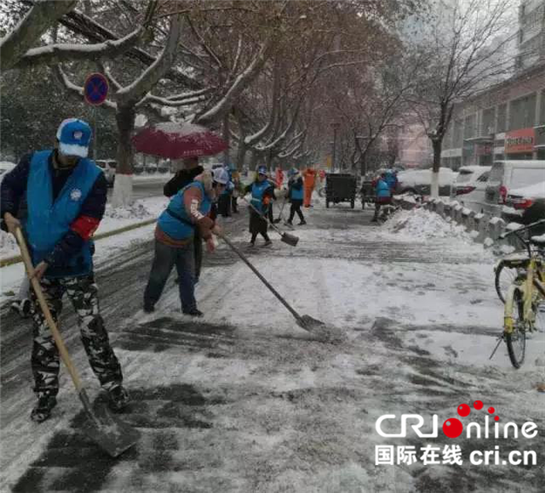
point(83, 294)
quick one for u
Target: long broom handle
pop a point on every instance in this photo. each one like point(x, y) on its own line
point(263, 280)
point(47, 313)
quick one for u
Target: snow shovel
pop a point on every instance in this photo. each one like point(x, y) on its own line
point(291, 240)
point(305, 321)
point(109, 432)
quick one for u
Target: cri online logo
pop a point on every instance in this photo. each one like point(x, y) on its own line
point(453, 427)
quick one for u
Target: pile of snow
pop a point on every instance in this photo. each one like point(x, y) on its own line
point(424, 224)
point(137, 210)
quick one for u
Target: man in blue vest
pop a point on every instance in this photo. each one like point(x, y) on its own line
point(186, 214)
point(262, 191)
point(383, 195)
point(296, 195)
point(66, 197)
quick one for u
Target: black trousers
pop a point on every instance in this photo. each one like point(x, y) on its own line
point(224, 204)
point(296, 208)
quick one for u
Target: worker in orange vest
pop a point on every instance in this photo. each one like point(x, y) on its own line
point(309, 177)
point(279, 178)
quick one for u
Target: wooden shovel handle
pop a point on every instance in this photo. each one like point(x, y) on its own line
point(47, 313)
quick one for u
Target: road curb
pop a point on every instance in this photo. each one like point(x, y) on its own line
point(17, 258)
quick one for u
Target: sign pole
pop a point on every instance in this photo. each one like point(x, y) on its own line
point(95, 147)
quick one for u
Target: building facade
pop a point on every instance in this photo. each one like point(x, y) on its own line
point(505, 122)
point(531, 33)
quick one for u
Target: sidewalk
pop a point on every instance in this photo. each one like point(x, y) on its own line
point(244, 400)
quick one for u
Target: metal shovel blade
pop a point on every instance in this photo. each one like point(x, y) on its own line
point(290, 239)
point(108, 431)
point(308, 323)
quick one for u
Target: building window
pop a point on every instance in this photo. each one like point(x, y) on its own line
point(469, 126)
point(501, 119)
point(457, 134)
point(487, 125)
point(523, 112)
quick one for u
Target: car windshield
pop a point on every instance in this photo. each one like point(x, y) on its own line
point(522, 177)
point(496, 174)
point(112, 165)
point(464, 176)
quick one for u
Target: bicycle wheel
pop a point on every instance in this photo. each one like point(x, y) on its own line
point(504, 278)
point(516, 340)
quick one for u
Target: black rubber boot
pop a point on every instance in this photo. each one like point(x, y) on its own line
point(43, 408)
point(119, 398)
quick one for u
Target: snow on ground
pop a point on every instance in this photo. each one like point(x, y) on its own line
point(152, 177)
point(246, 401)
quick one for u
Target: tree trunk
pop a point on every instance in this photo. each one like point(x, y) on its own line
point(253, 161)
point(125, 118)
point(226, 138)
point(437, 147)
point(241, 154)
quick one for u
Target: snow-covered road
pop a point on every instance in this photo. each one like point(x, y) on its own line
point(247, 401)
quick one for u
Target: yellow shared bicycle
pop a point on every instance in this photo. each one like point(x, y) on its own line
point(525, 297)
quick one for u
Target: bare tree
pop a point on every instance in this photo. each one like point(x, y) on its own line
point(464, 52)
point(18, 50)
point(125, 101)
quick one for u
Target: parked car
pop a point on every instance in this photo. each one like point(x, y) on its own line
point(469, 188)
point(506, 176)
point(164, 166)
point(418, 181)
point(151, 168)
point(108, 166)
point(520, 199)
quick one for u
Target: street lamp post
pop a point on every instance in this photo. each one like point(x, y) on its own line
point(335, 127)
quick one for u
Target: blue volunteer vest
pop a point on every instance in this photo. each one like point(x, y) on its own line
point(383, 190)
point(174, 220)
point(297, 194)
point(49, 221)
point(258, 191)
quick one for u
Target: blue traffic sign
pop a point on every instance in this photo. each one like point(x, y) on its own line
point(95, 89)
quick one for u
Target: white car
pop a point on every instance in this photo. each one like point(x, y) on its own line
point(506, 176)
point(469, 188)
point(108, 166)
point(418, 181)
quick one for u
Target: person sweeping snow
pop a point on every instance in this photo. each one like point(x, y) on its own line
point(66, 196)
point(262, 191)
point(176, 226)
point(295, 194)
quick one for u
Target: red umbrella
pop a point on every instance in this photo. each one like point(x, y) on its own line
point(178, 140)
